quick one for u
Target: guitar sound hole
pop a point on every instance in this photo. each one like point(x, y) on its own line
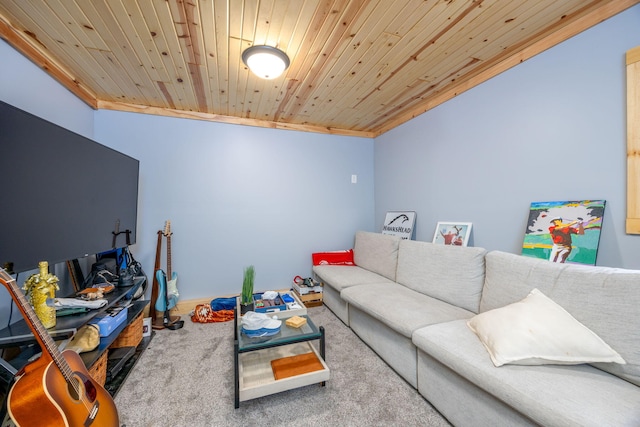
point(74, 388)
point(80, 384)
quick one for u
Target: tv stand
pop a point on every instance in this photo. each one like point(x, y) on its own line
point(19, 335)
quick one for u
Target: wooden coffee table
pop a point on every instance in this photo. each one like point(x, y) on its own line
point(254, 375)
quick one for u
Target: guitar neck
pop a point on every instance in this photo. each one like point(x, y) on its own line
point(47, 343)
point(167, 233)
point(154, 286)
point(169, 256)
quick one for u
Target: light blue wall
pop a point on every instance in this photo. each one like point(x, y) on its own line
point(552, 128)
point(235, 195)
point(239, 196)
point(26, 86)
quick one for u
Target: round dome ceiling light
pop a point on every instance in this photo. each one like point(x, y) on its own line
point(266, 62)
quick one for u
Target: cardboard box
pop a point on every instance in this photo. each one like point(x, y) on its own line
point(294, 308)
point(110, 320)
point(287, 311)
point(304, 290)
point(279, 305)
point(146, 327)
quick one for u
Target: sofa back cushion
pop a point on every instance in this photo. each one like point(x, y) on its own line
point(604, 299)
point(453, 274)
point(377, 252)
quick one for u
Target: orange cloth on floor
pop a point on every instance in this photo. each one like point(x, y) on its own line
point(204, 314)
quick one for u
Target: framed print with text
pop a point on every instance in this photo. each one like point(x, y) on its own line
point(399, 224)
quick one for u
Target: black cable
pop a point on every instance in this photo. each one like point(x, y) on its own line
point(138, 268)
point(10, 313)
point(11, 306)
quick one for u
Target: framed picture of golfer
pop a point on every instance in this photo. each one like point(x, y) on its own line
point(564, 231)
point(452, 233)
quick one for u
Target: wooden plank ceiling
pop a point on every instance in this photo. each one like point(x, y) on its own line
point(357, 67)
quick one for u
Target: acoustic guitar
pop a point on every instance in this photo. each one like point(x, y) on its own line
point(56, 389)
point(167, 288)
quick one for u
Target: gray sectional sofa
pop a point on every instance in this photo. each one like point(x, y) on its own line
point(414, 303)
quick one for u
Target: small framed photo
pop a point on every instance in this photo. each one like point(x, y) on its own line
point(452, 233)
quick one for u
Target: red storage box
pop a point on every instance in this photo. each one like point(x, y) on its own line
point(333, 258)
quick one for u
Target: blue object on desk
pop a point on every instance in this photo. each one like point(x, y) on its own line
point(109, 320)
point(287, 298)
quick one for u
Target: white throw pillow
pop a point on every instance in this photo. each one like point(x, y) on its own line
point(537, 331)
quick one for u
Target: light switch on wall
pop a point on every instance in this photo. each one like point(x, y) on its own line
point(354, 179)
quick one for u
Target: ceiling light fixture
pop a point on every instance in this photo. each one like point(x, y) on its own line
point(266, 62)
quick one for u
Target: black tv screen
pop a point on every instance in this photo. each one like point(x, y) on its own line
point(64, 196)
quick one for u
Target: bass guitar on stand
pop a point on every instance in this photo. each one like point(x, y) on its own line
point(55, 389)
point(168, 288)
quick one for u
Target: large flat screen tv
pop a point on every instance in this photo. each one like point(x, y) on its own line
point(64, 196)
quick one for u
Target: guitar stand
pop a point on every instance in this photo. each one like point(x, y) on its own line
point(166, 318)
point(162, 319)
point(172, 325)
point(160, 322)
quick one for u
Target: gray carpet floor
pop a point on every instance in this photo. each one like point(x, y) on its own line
point(185, 378)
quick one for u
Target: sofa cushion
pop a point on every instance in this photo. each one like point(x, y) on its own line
point(453, 274)
point(537, 331)
point(551, 395)
point(402, 309)
point(343, 276)
point(604, 299)
point(377, 252)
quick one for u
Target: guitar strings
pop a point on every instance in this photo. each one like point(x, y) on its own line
point(49, 343)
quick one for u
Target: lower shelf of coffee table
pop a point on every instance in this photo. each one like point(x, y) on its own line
point(256, 374)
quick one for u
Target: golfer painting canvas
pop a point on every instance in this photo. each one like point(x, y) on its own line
point(565, 231)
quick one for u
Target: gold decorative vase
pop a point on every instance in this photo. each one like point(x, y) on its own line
point(40, 287)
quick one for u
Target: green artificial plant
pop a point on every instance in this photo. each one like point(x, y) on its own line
point(247, 285)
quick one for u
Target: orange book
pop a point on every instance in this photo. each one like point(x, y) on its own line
point(295, 365)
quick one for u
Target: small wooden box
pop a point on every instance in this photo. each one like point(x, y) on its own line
point(312, 299)
point(131, 335)
point(98, 370)
point(296, 321)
